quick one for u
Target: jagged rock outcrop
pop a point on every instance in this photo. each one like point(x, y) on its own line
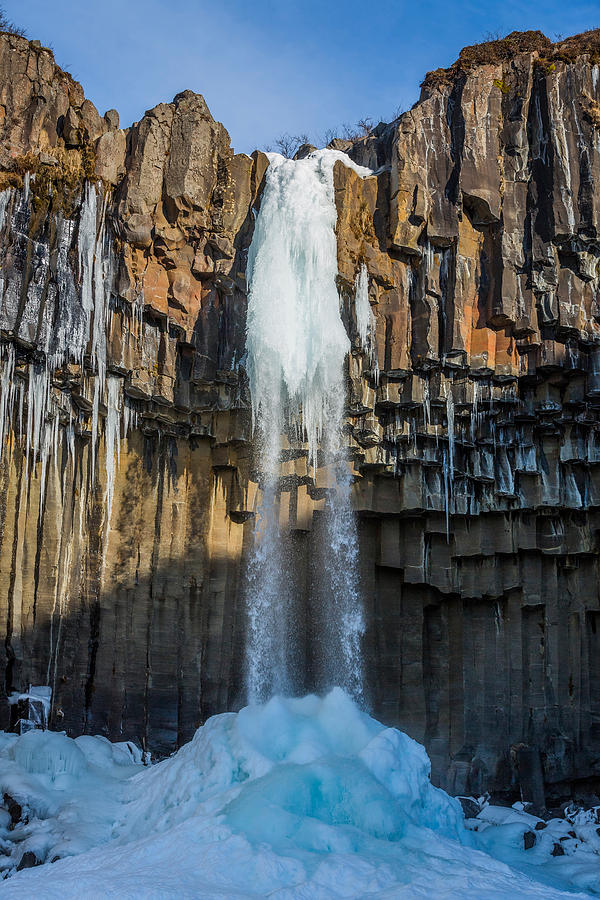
point(474, 426)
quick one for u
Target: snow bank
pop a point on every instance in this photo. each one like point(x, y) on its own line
point(62, 796)
point(298, 798)
point(567, 849)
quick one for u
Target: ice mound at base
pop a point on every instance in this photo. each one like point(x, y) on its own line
point(305, 798)
point(269, 767)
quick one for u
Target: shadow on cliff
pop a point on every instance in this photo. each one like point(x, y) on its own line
point(150, 657)
point(148, 660)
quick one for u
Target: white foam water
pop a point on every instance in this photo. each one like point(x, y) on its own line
point(297, 346)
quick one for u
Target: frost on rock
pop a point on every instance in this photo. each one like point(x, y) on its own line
point(302, 798)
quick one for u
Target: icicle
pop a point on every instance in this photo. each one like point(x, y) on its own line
point(474, 421)
point(126, 416)
point(55, 429)
point(366, 324)
point(112, 435)
point(37, 406)
point(102, 278)
point(447, 490)
point(70, 433)
point(130, 416)
point(21, 403)
point(138, 316)
point(4, 200)
point(571, 493)
point(449, 458)
point(498, 617)
point(86, 243)
point(506, 484)
point(450, 423)
point(426, 403)
point(7, 391)
point(48, 443)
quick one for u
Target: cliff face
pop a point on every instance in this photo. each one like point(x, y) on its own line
point(127, 481)
point(484, 269)
point(123, 315)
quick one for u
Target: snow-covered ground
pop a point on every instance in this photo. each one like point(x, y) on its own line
point(307, 798)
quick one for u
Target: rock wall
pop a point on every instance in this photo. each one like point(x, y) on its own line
point(480, 440)
point(128, 480)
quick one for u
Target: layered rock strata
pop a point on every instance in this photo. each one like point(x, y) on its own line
point(128, 483)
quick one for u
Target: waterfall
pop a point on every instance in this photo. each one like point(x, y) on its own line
point(297, 347)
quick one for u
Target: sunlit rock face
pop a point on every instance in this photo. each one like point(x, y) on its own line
point(129, 479)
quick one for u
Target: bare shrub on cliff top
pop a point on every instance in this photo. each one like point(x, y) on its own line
point(363, 128)
point(289, 144)
point(8, 27)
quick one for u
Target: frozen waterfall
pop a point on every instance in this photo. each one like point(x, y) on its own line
point(297, 347)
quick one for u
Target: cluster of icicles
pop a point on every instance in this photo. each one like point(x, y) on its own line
point(79, 323)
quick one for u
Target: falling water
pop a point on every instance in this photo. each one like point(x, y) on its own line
point(342, 610)
point(297, 345)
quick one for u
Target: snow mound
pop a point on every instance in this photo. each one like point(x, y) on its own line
point(321, 758)
point(297, 798)
point(61, 796)
point(48, 753)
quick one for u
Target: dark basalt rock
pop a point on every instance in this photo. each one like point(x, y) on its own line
point(14, 808)
point(528, 840)
point(28, 861)
point(470, 807)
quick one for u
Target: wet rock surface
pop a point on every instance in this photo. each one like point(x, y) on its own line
point(473, 429)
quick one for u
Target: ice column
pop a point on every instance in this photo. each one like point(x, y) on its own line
point(448, 458)
point(7, 391)
point(112, 437)
point(365, 320)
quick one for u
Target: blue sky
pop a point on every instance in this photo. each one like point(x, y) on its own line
point(268, 67)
